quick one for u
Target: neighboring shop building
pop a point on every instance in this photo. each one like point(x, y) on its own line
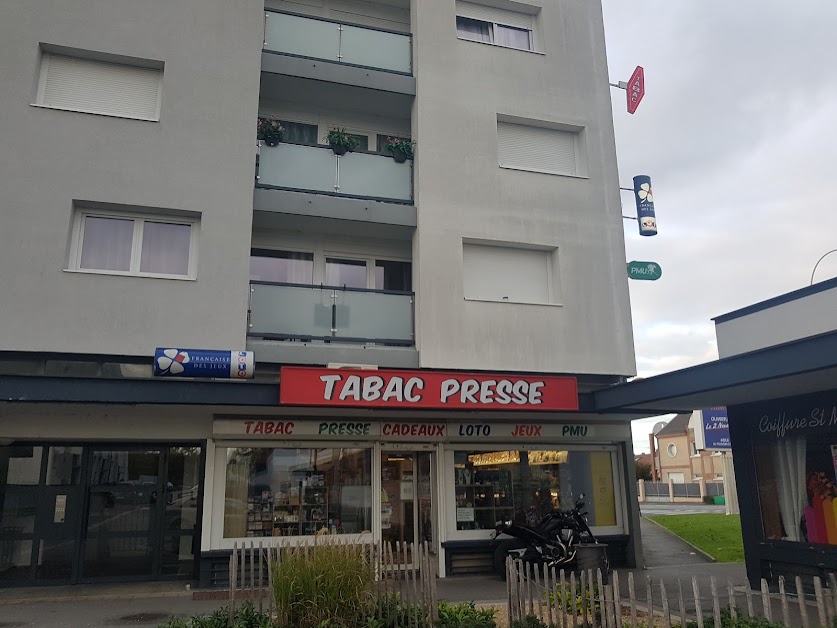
point(777, 376)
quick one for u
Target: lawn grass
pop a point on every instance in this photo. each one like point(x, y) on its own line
point(718, 535)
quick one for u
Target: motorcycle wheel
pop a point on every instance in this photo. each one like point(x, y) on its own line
point(502, 551)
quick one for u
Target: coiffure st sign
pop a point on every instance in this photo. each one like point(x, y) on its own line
point(302, 386)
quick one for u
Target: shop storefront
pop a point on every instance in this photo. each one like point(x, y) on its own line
point(787, 449)
point(163, 488)
point(428, 477)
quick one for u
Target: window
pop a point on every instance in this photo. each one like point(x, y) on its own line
point(350, 273)
point(299, 133)
point(490, 486)
point(796, 486)
point(391, 275)
point(282, 266)
point(494, 25)
point(491, 33)
point(672, 450)
point(502, 273)
point(297, 492)
point(101, 87)
point(537, 149)
point(133, 245)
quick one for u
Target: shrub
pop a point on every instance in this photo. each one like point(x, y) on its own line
point(739, 622)
point(531, 621)
point(390, 611)
point(245, 617)
point(326, 584)
point(465, 615)
point(587, 596)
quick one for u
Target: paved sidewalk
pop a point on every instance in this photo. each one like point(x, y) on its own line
point(149, 604)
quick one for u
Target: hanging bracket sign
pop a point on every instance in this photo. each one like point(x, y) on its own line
point(644, 271)
point(636, 89)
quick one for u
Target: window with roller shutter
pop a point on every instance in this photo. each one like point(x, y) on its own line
point(99, 87)
point(537, 149)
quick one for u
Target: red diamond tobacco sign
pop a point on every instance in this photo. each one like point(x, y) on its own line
point(636, 89)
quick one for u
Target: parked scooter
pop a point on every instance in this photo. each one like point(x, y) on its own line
point(550, 543)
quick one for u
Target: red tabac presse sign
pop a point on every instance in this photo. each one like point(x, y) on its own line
point(301, 386)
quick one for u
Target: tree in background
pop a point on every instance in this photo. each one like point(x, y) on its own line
point(643, 470)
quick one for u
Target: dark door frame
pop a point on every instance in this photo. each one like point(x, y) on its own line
point(158, 531)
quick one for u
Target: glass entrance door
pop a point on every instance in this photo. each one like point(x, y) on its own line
point(122, 532)
point(406, 497)
point(142, 517)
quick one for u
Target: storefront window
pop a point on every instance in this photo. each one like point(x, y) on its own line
point(797, 489)
point(297, 492)
point(525, 485)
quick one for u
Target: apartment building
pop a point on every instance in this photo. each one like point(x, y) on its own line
point(478, 289)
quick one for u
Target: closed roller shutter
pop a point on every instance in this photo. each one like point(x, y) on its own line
point(100, 87)
point(526, 147)
point(499, 273)
point(492, 14)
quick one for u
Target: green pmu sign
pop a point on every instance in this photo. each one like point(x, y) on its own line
point(646, 271)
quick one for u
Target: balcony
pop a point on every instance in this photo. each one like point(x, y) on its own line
point(305, 313)
point(349, 44)
point(355, 55)
point(304, 168)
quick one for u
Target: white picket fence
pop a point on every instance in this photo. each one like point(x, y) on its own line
point(593, 600)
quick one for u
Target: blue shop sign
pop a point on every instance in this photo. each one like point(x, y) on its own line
point(169, 362)
point(644, 196)
point(716, 429)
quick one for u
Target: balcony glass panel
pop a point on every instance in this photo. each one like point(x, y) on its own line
point(375, 315)
point(290, 311)
point(377, 176)
point(375, 49)
point(298, 167)
point(302, 36)
point(318, 169)
point(307, 312)
point(321, 39)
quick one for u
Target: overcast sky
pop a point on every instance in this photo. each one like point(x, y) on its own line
point(738, 132)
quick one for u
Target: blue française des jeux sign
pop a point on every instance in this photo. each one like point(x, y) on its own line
point(716, 429)
point(644, 197)
point(171, 362)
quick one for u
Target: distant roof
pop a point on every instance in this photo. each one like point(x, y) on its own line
point(678, 425)
point(807, 291)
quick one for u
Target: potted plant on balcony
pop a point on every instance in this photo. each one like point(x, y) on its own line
point(341, 142)
point(270, 130)
point(401, 149)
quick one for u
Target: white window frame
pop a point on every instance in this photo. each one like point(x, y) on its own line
point(494, 26)
point(42, 76)
point(77, 242)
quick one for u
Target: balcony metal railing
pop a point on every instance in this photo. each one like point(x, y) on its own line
point(287, 311)
point(338, 42)
point(317, 169)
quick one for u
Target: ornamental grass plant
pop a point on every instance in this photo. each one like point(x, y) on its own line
point(326, 584)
